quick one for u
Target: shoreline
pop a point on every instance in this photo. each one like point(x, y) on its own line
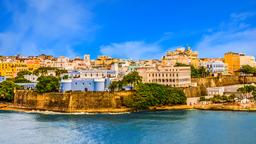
point(209, 107)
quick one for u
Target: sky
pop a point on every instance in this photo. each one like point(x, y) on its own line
point(132, 29)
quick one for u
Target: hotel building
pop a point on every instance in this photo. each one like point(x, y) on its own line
point(166, 75)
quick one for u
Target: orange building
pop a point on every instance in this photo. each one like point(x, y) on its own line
point(233, 61)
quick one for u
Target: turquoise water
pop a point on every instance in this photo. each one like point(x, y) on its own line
point(171, 127)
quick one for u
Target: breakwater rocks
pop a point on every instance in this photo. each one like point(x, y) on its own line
point(71, 102)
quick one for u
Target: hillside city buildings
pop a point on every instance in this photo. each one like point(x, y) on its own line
point(85, 74)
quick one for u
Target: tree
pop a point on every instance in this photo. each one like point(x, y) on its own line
point(194, 72)
point(7, 90)
point(247, 90)
point(151, 94)
point(181, 65)
point(40, 71)
point(65, 77)
point(47, 84)
point(20, 77)
point(200, 72)
point(247, 69)
point(21, 80)
point(203, 72)
point(133, 78)
point(60, 71)
point(22, 73)
point(43, 71)
point(116, 85)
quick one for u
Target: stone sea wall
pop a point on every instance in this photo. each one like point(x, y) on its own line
point(69, 102)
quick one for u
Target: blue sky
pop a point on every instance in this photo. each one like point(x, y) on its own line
point(136, 29)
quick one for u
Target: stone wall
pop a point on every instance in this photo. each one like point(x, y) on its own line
point(223, 81)
point(84, 101)
point(203, 83)
point(69, 102)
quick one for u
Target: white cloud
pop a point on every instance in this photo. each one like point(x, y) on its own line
point(133, 50)
point(216, 44)
point(46, 26)
point(236, 36)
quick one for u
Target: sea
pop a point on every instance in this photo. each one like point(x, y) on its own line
point(160, 127)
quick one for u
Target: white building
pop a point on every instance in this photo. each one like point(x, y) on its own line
point(166, 75)
point(211, 91)
point(215, 67)
point(32, 78)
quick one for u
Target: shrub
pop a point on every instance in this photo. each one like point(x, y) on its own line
point(47, 84)
point(151, 94)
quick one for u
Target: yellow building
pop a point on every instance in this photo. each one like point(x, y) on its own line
point(233, 61)
point(32, 64)
point(10, 69)
point(105, 61)
point(181, 55)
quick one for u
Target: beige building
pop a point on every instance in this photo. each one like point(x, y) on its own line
point(247, 60)
point(181, 55)
point(166, 75)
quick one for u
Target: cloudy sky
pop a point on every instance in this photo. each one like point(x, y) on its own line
point(136, 29)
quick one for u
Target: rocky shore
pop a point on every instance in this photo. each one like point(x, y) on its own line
point(215, 107)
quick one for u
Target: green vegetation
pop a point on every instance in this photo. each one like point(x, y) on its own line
point(246, 69)
point(148, 94)
point(223, 99)
point(7, 90)
point(200, 72)
point(181, 65)
point(60, 71)
point(151, 94)
point(47, 84)
point(21, 80)
point(202, 98)
point(247, 90)
point(116, 85)
point(196, 73)
point(43, 71)
point(22, 73)
point(219, 99)
point(20, 77)
point(65, 77)
point(132, 79)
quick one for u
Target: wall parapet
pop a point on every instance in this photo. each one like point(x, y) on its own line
point(69, 102)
